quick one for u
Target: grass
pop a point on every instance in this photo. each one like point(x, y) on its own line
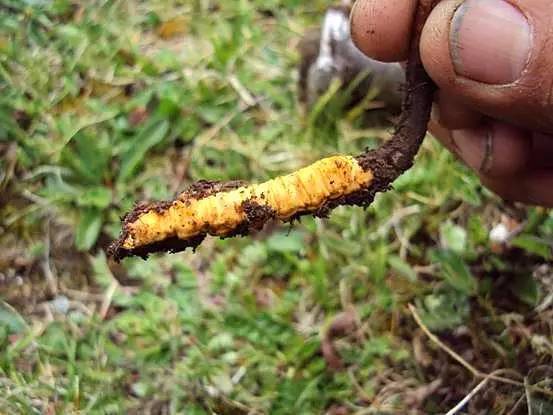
point(115, 101)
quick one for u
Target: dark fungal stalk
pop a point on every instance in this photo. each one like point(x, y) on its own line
point(396, 156)
point(359, 178)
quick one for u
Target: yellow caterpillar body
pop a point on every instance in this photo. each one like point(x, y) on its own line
point(224, 212)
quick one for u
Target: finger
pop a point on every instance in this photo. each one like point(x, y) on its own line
point(493, 149)
point(443, 135)
point(532, 188)
point(495, 55)
point(382, 28)
point(530, 183)
point(453, 114)
point(542, 151)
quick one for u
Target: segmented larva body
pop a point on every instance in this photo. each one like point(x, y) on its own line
point(225, 213)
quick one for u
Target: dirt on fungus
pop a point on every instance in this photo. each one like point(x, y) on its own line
point(204, 188)
point(198, 190)
point(257, 214)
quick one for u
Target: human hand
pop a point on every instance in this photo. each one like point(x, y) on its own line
point(493, 63)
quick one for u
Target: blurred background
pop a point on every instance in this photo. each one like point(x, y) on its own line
point(106, 102)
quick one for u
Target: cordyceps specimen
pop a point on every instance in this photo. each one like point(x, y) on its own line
point(233, 208)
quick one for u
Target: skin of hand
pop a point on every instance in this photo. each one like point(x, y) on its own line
point(492, 61)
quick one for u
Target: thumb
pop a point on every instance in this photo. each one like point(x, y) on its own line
point(496, 56)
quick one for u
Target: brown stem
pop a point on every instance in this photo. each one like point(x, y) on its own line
point(394, 157)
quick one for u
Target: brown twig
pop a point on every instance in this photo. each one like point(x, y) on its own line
point(474, 371)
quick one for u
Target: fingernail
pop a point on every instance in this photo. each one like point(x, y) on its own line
point(353, 7)
point(490, 41)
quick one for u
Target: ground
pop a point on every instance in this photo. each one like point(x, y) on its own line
point(117, 101)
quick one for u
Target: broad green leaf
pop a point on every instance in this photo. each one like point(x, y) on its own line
point(526, 289)
point(10, 319)
point(378, 262)
point(453, 237)
point(533, 245)
point(281, 242)
point(444, 310)
point(477, 230)
point(149, 137)
point(98, 197)
point(55, 339)
point(402, 267)
point(71, 34)
point(455, 271)
point(88, 157)
point(61, 7)
point(88, 229)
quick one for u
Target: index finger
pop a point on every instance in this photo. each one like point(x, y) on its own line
point(382, 28)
